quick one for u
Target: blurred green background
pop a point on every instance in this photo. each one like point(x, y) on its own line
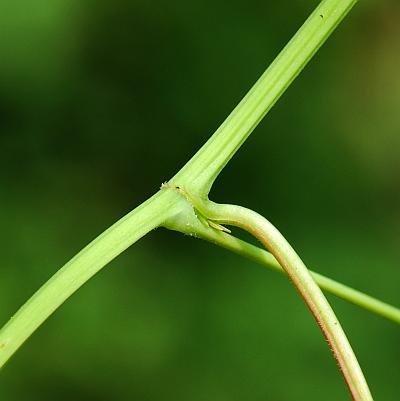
point(100, 102)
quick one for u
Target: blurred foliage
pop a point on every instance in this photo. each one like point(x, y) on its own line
point(100, 102)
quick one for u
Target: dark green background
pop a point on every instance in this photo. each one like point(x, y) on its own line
point(100, 102)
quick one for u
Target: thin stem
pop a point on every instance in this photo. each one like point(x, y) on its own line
point(82, 267)
point(261, 256)
point(203, 168)
point(358, 298)
point(273, 240)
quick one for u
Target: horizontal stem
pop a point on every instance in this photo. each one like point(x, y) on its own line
point(189, 223)
point(358, 298)
point(334, 287)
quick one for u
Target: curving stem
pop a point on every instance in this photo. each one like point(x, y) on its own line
point(274, 241)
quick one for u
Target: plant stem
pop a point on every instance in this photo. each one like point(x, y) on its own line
point(82, 267)
point(273, 240)
point(203, 168)
point(261, 256)
point(197, 176)
point(174, 212)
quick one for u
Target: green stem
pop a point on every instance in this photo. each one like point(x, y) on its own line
point(82, 267)
point(273, 240)
point(203, 168)
point(197, 176)
point(358, 298)
point(174, 212)
point(193, 226)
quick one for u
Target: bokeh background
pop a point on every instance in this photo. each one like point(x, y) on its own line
point(100, 102)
